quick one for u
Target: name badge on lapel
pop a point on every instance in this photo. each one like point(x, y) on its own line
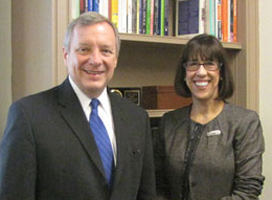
point(213, 133)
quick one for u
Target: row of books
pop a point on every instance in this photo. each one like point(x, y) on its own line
point(154, 17)
point(215, 17)
point(130, 16)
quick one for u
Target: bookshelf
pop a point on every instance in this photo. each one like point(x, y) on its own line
point(151, 60)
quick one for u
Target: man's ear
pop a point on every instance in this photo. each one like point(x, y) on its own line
point(65, 55)
point(116, 61)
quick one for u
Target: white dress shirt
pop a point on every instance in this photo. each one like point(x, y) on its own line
point(104, 112)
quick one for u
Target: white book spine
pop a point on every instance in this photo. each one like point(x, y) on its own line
point(202, 4)
point(122, 16)
point(129, 14)
point(104, 8)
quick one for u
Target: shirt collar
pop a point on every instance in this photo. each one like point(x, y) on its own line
point(85, 100)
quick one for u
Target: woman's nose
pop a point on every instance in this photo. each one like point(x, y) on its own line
point(201, 70)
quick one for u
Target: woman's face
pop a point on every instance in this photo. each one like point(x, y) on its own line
point(203, 80)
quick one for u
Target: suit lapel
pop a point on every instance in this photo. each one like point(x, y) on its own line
point(73, 114)
point(122, 136)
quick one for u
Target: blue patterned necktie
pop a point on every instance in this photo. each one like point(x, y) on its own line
point(102, 140)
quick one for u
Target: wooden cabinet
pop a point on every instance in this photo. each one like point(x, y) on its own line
point(151, 60)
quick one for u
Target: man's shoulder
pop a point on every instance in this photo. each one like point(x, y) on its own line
point(38, 98)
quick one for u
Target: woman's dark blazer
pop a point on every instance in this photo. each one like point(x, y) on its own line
point(228, 158)
point(48, 151)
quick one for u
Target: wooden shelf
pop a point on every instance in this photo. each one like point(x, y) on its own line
point(147, 60)
point(169, 40)
point(157, 113)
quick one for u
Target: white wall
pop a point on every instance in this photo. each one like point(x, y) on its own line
point(32, 47)
point(266, 90)
point(5, 61)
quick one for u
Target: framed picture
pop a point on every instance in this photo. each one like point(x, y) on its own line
point(133, 95)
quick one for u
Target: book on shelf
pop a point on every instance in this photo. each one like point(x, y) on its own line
point(104, 8)
point(140, 16)
point(96, 5)
point(162, 17)
point(152, 18)
point(75, 9)
point(157, 20)
point(190, 18)
point(82, 5)
point(233, 21)
point(210, 15)
point(167, 17)
point(218, 21)
point(143, 16)
point(134, 16)
point(122, 16)
point(114, 12)
point(234, 36)
point(109, 11)
point(129, 16)
point(148, 16)
point(225, 20)
point(90, 5)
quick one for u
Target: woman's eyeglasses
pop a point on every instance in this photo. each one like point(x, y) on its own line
point(194, 66)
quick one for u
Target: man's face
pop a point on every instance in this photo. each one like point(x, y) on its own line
point(92, 57)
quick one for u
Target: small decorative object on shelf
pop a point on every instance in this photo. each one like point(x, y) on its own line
point(131, 93)
point(162, 97)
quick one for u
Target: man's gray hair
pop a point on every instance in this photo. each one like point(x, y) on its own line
point(86, 19)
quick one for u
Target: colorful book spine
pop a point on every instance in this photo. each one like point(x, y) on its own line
point(137, 17)
point(90, 5)
point(152, 17)
point(114, 12)
point(134, 16)
point(148, 16)
point(144, 4)
point(234, 20)
point(166, 16)
point(82, 6)
point(110, 10)
point(162, 17)
point(225, 20)
point(218, 22)
point(140, 16)
point(86, 5)
point(212, 17)
point(96, 5)
point(190, 18)
point(156, 26)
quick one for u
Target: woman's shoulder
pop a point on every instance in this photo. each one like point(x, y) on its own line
point(236, 109)
point(236, 112)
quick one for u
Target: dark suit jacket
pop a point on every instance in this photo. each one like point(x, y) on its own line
point(226, 165)
point(48, 151)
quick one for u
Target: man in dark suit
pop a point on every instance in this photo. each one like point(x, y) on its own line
point(50, 150)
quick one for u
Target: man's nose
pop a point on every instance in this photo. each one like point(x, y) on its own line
point(95, 58)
